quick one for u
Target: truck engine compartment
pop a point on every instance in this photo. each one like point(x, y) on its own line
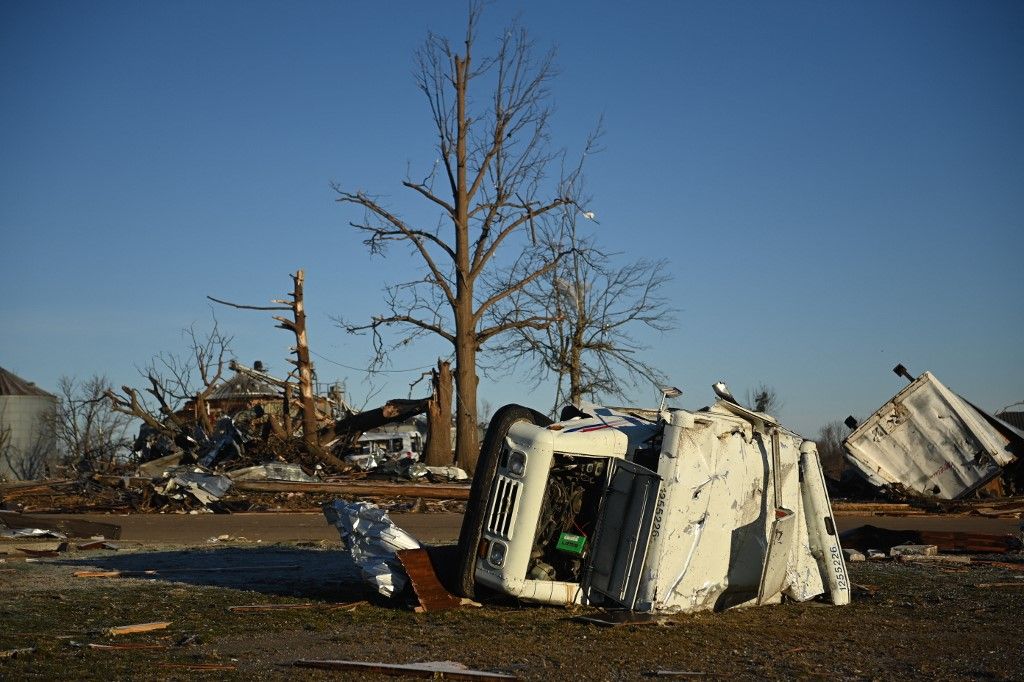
point(568, 517)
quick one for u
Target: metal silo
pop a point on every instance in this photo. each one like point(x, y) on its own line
point(27, 416)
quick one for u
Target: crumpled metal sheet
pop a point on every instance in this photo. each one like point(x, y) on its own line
point(226, 438)
point(931, 441)
point(448, 473)
point(203, 486)
point(272, 471)
point(372, 539)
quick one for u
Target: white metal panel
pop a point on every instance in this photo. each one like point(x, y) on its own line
point(929, 440)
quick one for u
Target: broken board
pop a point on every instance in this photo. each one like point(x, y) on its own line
point(429, 590)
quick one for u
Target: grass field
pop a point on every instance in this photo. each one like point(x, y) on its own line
point(924, 622)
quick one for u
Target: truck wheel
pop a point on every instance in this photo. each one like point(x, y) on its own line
point(483, 478)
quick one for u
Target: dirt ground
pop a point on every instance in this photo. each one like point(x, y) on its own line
point(922, 622)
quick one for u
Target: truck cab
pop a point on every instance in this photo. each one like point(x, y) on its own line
point(650, 510)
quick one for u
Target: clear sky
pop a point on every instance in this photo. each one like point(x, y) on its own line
point(838, 186)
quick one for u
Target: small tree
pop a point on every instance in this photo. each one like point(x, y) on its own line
point(90, 432)
point(598, 307)
point(831, 450)
point(765, 399)
point(492, 188)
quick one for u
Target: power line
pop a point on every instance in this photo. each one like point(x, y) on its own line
point(370, 371)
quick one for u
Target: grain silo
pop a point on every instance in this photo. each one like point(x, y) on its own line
point(27, 415)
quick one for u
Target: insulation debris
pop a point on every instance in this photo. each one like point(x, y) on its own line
point(372, 540)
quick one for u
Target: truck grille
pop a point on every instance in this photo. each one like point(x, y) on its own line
point(501, 515)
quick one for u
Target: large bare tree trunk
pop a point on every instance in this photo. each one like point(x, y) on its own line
point(467, 442)
point(438, 449)
point(493, 162)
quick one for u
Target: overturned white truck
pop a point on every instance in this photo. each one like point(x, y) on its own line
point(650, 510)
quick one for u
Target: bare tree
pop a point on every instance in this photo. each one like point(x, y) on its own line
point(597, 308)
point(831, 450)
point(491, 186)
point(764, 398)
point(177, 381)
point(91, 433)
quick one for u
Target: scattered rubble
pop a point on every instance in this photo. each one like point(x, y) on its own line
point(870, 537)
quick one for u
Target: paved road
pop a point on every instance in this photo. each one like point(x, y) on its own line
point(191, 529)
point(184, 529)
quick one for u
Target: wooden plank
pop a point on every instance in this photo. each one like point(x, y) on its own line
point(198, 667)
point(440, 491)
point(429, 591)
point(429, 492)
point(436, 671)
point(249, 608)
point(44, 552)
point(138, 627)
point(29, 485)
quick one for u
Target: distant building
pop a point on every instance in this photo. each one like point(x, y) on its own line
point(27, 440)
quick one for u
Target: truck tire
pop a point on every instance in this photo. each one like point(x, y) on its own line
point(483, 478)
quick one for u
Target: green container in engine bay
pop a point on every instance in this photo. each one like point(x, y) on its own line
point(571, 543)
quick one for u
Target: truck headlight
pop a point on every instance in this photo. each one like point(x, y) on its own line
point(496, 555)
point(517, 463)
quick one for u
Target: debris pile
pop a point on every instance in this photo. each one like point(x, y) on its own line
point(254, 457)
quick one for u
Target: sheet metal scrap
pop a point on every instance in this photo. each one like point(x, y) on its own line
point(272, 471)
point(372, 540)
point(204, 487)
point(60, 528)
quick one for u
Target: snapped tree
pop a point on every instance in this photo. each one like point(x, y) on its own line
point(492, 186)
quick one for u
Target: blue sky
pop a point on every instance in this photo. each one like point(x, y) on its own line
point(838, 186)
